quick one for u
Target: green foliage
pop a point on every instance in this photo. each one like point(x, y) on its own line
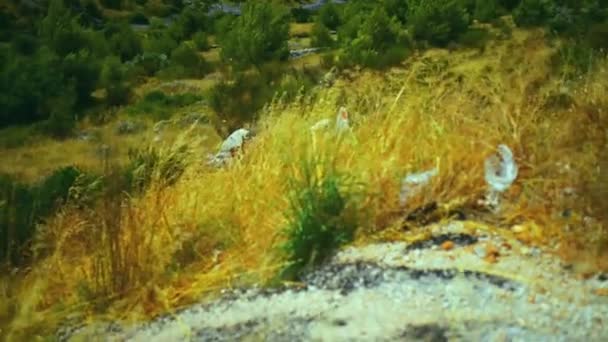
point(139, 19)
point(149, 164)
point(148, 63)
point(597, 37)
point(159, 105)
point(201, 41)
point(158, 40)
point(397, 8)
point(189, 22)
point(258, 36)
point(27, 84)
point(379, 42)
point(25, 44)
point(322, 216)
point(574, 58)
point(125, 43)
point(329, 16)
point(238, 100)
point(486, 10)
point(22, 206)
point(301, 15)
point(437, 21)
point(62, 118)
point(509, 5)
point(185, 62)
point(82, 70)
point(320, 36)
point(16, 136)
point(113, 79)
point(532, 13)
point(113, 4)
point(474, 38)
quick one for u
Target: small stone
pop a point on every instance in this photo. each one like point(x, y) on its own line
point(480, 251)
point(518, 228)
point(448, 245)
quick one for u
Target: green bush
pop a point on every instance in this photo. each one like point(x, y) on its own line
point(397, 8)
point(322, 216)
point(258, 36)
point(113, 79)
point(574, 58)
point(509, 5)
point(437, 21)
point(329, 16)
point(22, 206)
point(25, 44)
point(189, 22)
point(474, 38)
point(158, 40)
point(185, 62)
point(149, 164)
point(113, 4)
point(379, 42)
point(125, 42)
point(597, 37)
point(139, 18)
point(301, 15)
point(26, 86)
point(320, 36)
point(486, 10)
point(201, 41)
point(82, 69)
point(532, 13)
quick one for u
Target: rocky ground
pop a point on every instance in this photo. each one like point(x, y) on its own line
point(458, 285)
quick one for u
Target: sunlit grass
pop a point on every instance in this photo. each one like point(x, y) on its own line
point(222, 228)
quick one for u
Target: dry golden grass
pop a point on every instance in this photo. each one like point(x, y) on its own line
point(300, 29)
point(448, 110)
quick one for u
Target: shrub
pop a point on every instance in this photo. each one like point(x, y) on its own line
point(329, 16)
point(380, 41)
point(149, 164)
point(186, 62)
point(113, 4)
point(189, 22)
point(301, 15)
point(22, 206)
point(397, 8)
point(485, 10)
point(474, 38)
point(574, 59)
point(113, 79)
point(437, 21)
point(597, 37)
point(82, 69)
point(258, 36)
point(509, 5)
point(26, 86)
point(322, 216)
point(157, 38)
point(25, 44)
point(62, 119)
point(320, 36)
point(531, 13)
point(125, 43)
point(200, 41)
point(139, 19)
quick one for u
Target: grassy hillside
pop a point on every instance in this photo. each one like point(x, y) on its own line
point(223, 228)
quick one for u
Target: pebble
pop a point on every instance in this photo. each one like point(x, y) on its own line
point(363, 295)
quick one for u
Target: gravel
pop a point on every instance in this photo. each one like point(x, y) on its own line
point(400, 291)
